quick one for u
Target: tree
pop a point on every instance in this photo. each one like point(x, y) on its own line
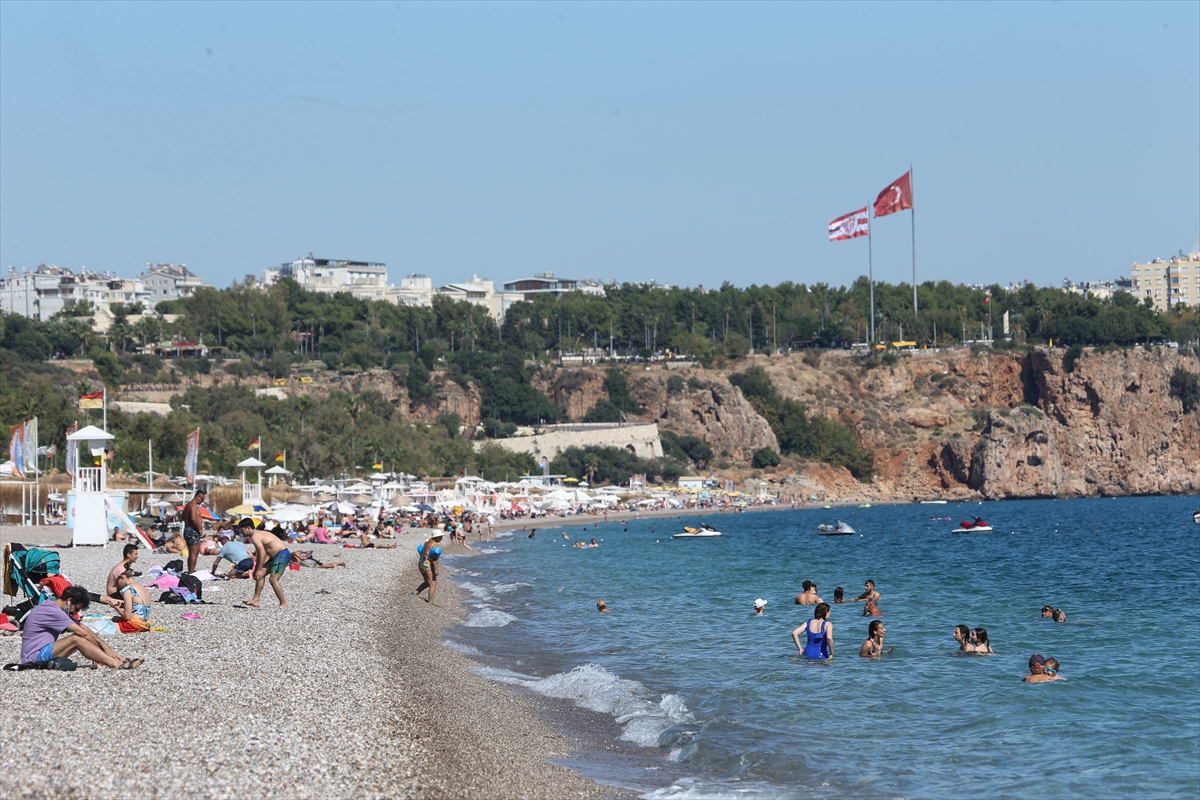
point(1186, 386)
point(591, 462)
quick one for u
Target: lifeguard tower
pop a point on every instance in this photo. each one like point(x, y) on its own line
point(87, 512)
point(252, 492)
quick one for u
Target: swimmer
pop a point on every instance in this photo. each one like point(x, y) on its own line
point(564, 535)
point(1059, 615)
point(869, 593)
point(980, 640)
point(962, 635)
point(808, 597)
point(1047, 612)
point(871, 610)
point(1037, 670)
point(839, 595)
point(602, 607)
point(594, 543)
point(873, 646)
point(532, 533)
point(760, 606)
point(1052, 668)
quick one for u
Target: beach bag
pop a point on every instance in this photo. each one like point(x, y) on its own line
point(174, 566)
point(192, 584)
point(170, 598)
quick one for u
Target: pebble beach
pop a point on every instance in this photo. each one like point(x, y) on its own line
point(346, 692)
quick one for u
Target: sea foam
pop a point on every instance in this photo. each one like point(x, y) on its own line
point(489, 618)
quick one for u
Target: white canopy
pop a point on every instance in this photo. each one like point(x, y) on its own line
point(89, 434)
point(250, 462)
point(277, 470)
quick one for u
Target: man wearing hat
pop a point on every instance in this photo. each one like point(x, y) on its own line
point(760, 606)
point(235, 553)
point(1037, 670)
point(272, 558)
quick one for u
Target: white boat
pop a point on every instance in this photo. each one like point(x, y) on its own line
point(703, 532)
point(841, 529)
point(1196, 517)
point(978, 526)
point(934, 502)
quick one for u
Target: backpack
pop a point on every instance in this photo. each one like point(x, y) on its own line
point(174, 566)
point(193, 584)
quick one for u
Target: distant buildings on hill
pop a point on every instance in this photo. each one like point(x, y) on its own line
point(1168, 283)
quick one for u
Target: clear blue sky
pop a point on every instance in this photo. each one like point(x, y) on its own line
point(689, 143)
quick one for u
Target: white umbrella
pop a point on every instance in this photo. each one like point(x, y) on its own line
point(290, 514)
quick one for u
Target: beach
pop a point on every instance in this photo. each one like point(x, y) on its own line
point(346, 693)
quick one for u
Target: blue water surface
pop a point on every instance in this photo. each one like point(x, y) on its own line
point(690, 673)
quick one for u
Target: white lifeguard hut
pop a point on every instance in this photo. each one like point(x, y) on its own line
point(88, 513)
point(252, 492)
point(277, 472)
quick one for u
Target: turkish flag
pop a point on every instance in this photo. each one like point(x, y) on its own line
point(896, 197)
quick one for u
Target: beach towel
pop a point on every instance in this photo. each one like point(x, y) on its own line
point(56, 584)
point(164, 582)
point(100, 624)
point(135, 625)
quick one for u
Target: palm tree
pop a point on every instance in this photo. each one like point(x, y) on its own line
point(591, 462)
point(303, 404)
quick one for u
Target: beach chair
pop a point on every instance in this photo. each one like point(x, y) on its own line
point(26, 568)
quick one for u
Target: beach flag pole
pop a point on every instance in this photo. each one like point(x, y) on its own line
point(913, 216)
point(871, 269)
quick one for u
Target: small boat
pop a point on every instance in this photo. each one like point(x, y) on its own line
point(977, 526)
point(703, 532)
point(933, 502)
point(841, 529)
point(1196, 517)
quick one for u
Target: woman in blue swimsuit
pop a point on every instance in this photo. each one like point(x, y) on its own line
point(819, 633)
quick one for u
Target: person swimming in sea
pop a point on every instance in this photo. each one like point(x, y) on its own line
point(962, 635)
point(1037, 670)
point(873, 646)
point(839, 595)
point(1047, 612)
point(979, 639)
point(602, 607)
point(870, 609)
point(808, 597)
point(819, 634)
point(1058, 615)
point(760, 607)
point(869, 593)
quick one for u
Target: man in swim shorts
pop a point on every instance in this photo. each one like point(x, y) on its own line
point(49, 620)
point(192, 525)
point(235, 553)
point(272, 557)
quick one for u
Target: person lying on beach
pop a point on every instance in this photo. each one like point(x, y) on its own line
point(1037, 670)
point(873, 646)
point(979, 639)
point(305, 559)
point(1058, 615)
point(602, 607)
point(871, 610)
point(760, 606)
point(209, 546)
point(235, 553)
point(375, 545)
point(50, 619)
point(272, 557)
point(808, 597)
point(176, 546)
point(129, 557)
point(135, 598)
point(869, 593)
point(839, 595)
point(427, 563)
point(819, 634)
point(962, 635)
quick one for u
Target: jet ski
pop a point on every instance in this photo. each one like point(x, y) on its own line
point(975, 526)
point(840, 529)
point(702, 532)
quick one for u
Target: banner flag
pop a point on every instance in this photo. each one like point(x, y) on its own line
point(192, 457)
point(72, 450)
point(254, 445)
point(849, 226)
point(15, 451)
point(93, 400)
point(377, 465)
point(281, 456)
point(29, 445)
point(896, 197)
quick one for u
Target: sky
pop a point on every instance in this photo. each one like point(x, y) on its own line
point(686, 143)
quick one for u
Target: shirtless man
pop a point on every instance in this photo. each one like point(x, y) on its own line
point(129, 557)
point(808, 597)
point(193, 524)
point(869, 593)
point(272, 557)
point(1037, 670)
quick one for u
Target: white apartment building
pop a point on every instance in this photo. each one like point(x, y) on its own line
point(366, 280)
point(32, 294)
point(413, 290)
point(168, 282)
point(482, 292)
point(1168, 283)
point(1102, 290)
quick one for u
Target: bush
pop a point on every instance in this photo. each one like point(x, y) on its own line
point(675, 385)
point(603, 411)
point(764, 457)
point(1071, 357)
point(451, 422)
point(1186, 386)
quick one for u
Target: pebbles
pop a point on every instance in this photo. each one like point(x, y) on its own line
point(346, 694)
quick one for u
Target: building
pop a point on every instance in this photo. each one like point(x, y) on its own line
point(548, 283)
point(168, 282)
point(1102, 290)
point(1168, 283)
point(366, 280)
point(482, 292)
point(413, 290)
point(32, 294)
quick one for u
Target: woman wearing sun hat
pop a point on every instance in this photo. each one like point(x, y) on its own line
point(427, 558)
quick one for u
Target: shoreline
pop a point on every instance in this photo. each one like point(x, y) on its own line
point(350, 693)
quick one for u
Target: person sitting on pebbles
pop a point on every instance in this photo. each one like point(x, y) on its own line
point(135, 598)
point(272, 557)
point(235, 553)
point(50, 619)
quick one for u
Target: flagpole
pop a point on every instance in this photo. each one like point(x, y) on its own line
point(105, 423)
point(913, 211)
point(871, 268)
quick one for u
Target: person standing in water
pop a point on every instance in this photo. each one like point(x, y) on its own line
point(873, 646)
point(808, 597)
point(979, 638)
point(819, 633)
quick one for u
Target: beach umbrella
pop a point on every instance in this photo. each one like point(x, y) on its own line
point(345, 508)
point(289, 514)
point(245, 509)
point(425, 507)
point(359, 500)
point(303, 500)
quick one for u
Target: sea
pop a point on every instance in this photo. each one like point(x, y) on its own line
point(704, 699)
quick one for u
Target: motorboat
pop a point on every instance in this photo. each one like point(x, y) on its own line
point(933, 502)
point(840, 529)
point(976, 526)
point(702, 532)
point(1196, 517)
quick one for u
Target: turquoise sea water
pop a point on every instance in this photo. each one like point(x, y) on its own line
point(721, 699)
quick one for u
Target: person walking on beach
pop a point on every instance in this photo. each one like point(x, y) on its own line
point(272, 558)
point(819, 633)
point(808, 597)
point(873, 646)
point(193, 524)
point(427, 563)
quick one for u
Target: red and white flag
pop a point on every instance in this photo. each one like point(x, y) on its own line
point(896, 197)
point(850, 226)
